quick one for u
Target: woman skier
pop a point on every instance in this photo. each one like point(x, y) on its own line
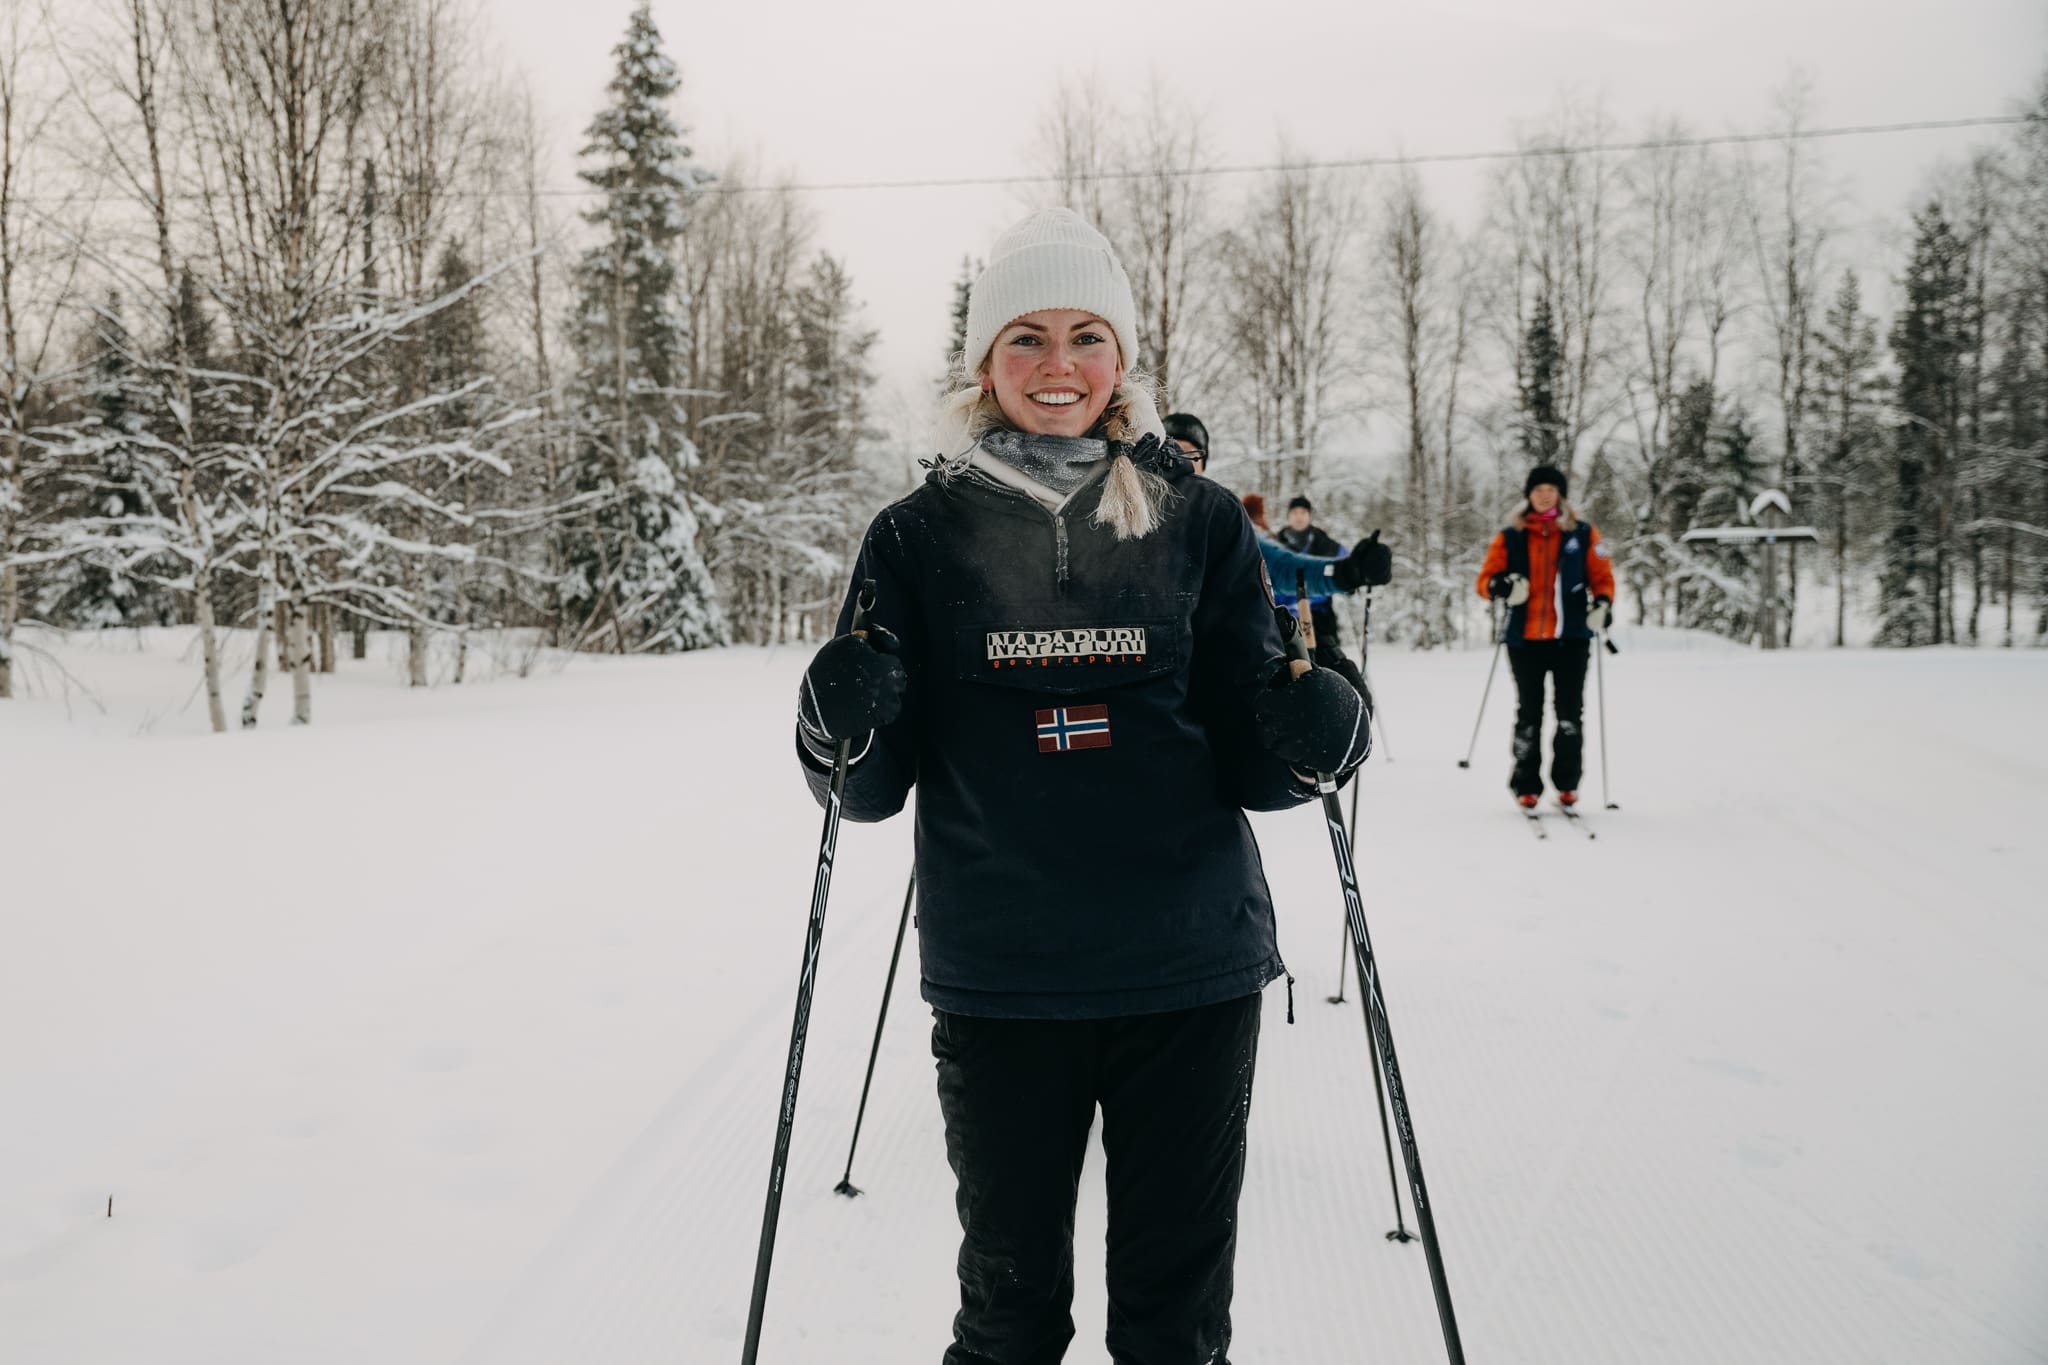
point(1072, 657)
point(1551, 570)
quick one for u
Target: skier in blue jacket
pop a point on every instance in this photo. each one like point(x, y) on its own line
point(1366, 564)
point(1371, 562)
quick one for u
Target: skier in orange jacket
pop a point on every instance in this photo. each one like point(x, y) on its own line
point(1552, 570)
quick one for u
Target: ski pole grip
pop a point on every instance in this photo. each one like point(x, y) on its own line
point(1297, 653)
point(863, 603)
point(1305, 632)
point(1298, 662)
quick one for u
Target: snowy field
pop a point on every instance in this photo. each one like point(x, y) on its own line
point(449, 1030)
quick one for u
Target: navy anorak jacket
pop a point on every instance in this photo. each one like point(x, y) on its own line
point(1079, 730)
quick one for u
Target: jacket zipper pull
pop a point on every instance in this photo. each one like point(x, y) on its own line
point(1290, 997)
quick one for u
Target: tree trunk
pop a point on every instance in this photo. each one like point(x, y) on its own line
point(298, 631)
point(209, 646)
point(1841, 582)
point(416, 638)
point(2007, 641)
point(8, 598)
point(327, 642)
point(259, 677)
point(1976, 564)
point(1791, 592)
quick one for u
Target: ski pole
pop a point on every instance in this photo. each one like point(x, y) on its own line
point(1343, 961)
point(846, 1185)
point(1364, 646)
point(1379, 715)
point(806, 985)
point(1604, 647)
point(1400, 1232)
point(1344, 944)
point(1500, 640)
point(1376, 1012)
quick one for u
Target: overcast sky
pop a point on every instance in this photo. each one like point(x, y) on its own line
point(912, 89)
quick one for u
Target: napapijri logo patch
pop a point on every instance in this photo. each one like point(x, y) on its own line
point(1043, 648)
point(1066, 728)
point(1571, 546)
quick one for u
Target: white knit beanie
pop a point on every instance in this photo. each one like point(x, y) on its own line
point(1052, 259)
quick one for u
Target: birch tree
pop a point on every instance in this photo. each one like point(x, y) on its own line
point(1289, 316)
point(1551, 207)
point(40, 238)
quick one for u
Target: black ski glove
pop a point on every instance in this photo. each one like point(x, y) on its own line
point(1599, 614)
point(1317, 722)
point(1511, 586)
point(1343, 666)
point(1369, 565)
point(1151, 452)
point(852, 686)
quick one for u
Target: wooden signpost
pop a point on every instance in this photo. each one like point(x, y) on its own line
point(1768, 515)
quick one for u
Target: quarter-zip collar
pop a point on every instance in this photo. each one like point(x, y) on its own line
point(1005, 490)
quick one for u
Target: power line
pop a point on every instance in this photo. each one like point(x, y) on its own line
point(1390, 159)
point(1350, 163)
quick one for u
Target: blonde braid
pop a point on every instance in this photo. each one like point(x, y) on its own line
point(1134, 500)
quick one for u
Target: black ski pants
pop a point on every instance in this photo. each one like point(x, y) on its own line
point(1019, 1097)
point(1564, 662)
point(1323, 616)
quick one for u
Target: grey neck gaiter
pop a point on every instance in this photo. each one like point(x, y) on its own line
point(1061, 463)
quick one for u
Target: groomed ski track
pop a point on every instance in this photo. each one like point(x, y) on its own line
point(1759, 1076)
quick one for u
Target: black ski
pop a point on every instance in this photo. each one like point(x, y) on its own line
point(1534, 818)
point(1578, 821)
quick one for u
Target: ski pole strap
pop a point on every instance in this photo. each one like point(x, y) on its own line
point(863, 603)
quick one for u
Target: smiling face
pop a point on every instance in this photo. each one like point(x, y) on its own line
point(1054, 371)
point(1543, 497)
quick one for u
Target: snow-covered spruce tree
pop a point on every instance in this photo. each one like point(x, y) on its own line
point(1735, 475)
point(1704, 587)
point(826, 503)
point(635, 578)
point(113, 491)
point(453, 359)
point(1540, 427)
point(1845, 435)
point(1927, 342)
point(956, 334)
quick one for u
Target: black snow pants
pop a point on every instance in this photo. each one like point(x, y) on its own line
point(1329, 651)
point(1328, 639)
point(1019, 1097)
point(1565, 662)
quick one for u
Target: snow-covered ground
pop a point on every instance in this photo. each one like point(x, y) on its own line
point(449, 1030)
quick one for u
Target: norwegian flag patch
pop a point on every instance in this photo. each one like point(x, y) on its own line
point(1065, 728)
